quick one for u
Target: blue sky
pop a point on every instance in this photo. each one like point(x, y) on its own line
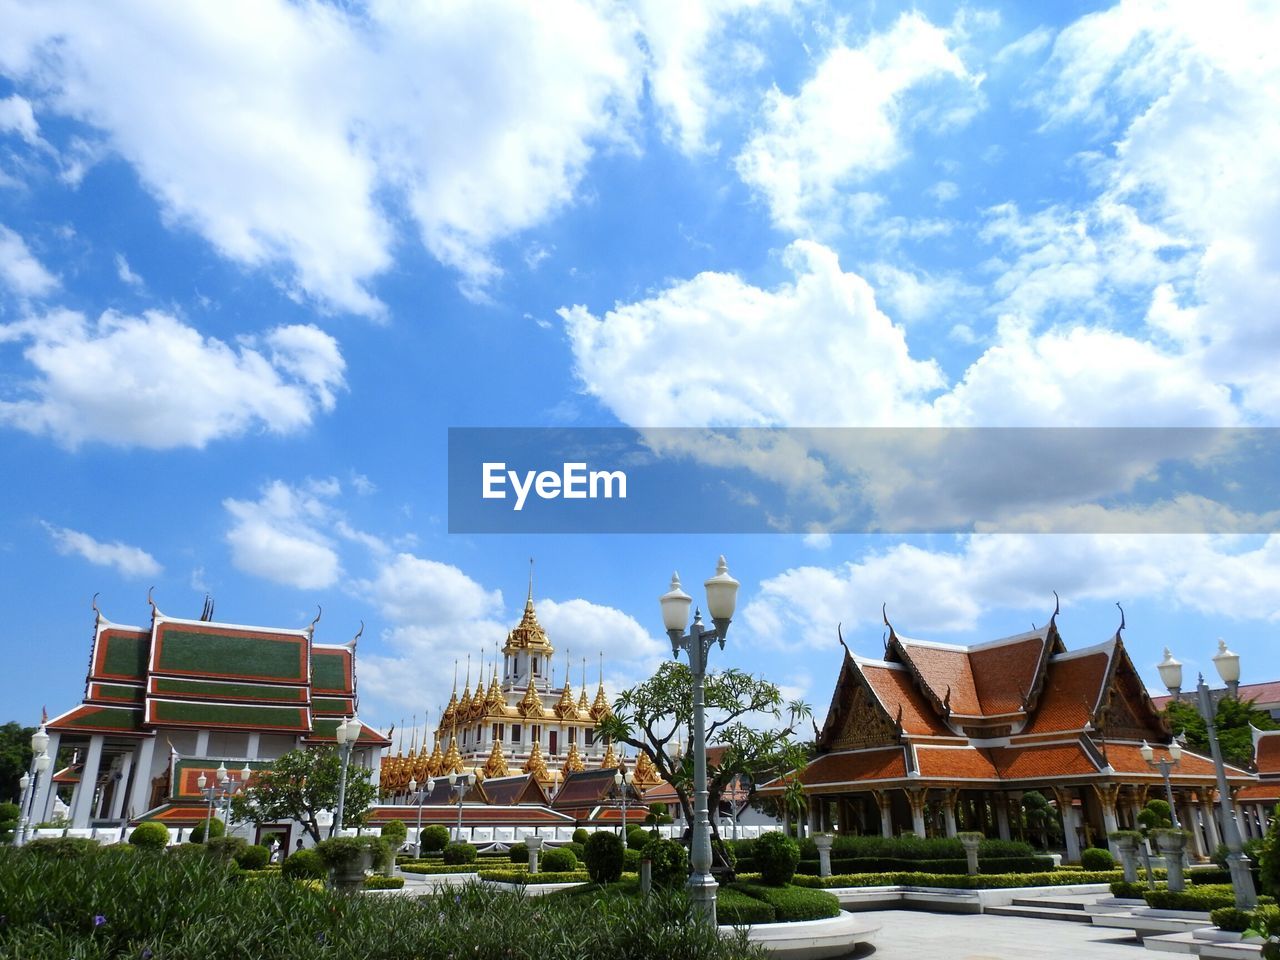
point(256, 258)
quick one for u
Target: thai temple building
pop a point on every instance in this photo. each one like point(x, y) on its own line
point(1256, 803)
point(170, 701)
point(934, 738)
point(518, 722)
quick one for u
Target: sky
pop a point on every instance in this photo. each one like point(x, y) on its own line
point(257, 258)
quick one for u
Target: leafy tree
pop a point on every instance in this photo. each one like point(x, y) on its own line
point(299, 785)
point(1233, 719)
point(1041, 818)
point(652, 715)
point(15, 758)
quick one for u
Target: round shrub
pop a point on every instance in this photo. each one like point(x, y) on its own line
point(150, 836)
point(225, 848)
point(631, 860)
point(776, 856)
point(253, 857)
point(581, 835)
point(518, 853)
point(579, 849)
point(559, 860)
point(459, 853)
point(1095, 858)
point(395, 833)
point(434, 838)
point(637, 837)
point(604, 857)
point(216, 829)
point(304, 865)
point(68, 848)
point(670, 862)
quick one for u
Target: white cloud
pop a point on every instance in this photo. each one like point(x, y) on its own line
point(126, 560)
point(915, 295)
point(20, 271)
point(125, 272)
point(292, 135)
point(848, 121)
point(585, 629)
point(152, 381)
point(278, 536)
point(17, 116)
point(410, 590)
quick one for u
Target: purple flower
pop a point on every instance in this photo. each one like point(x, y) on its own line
point(146, 954)
point(99, 920)
point(320, 937)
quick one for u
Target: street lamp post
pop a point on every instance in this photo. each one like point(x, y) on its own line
point(24, 782)
point(40, 763)
point(346, 734)
point(459, 784)
point(413, 788)
point(1228, 665)
point(1165, 765)
point(722, 595)
point(623, 782)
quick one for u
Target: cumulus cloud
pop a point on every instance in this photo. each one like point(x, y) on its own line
point(281, 536)
point(848, 121)
point(126, 560)
point(292, 135)
point(20, 271)
point(413, 590)
point(16, 116)
point(153, 381)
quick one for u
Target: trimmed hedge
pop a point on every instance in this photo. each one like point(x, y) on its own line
point(1095, 858)
point(999, 881)
point(149, 835)
point(458, 853)
point(776, 855)
point(1231, 919)
point(429, 868)
point(253, 857)
point(559, 860)
point(604, 857)
point(1205, 897)
point(793, 903)
point(1018, 864)
point(1127, 890)
point(377, 882)
point(523, 876)
point(433, 838)
point(518, 853)
point(216, 829)
point(304, 865)
point(670, 862)
point(68, 848)
point(736, 908)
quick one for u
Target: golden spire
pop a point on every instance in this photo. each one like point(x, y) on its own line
point(447, 715)
point(565, 707)
point(528, 633)
point(600, 708)
point(610, 758)
point(583, 709)
point(435, 763)
point(646, 774)
point(530, 703)
point(573, 763)
point(536, 764)
point(413, 741)
point(496, 765)
point(452, 759)
point(495, 703)
point(464, 705)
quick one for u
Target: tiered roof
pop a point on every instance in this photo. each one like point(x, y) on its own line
point(1266, 758)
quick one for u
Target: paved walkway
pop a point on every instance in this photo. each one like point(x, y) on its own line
point(914, 935)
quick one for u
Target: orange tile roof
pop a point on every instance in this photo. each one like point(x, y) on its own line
point(1259, 791)
point(1127, 758)
point(1004, 674)
point(896, 688)
point(960, 763)
point(945, 671)
point(862, 765)
point(1259, 693)
point(1267, 752)
point(1042, 760)
point(1071, 689)
point(984, 681)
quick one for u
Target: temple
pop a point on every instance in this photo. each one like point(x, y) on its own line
point(178, 698)
point(935, 738)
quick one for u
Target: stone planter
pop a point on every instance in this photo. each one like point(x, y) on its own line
point(348, 877)
point(823, 842)
point(970, 842)
point(534, 846)
point(1171, 844)
point(1127, 847)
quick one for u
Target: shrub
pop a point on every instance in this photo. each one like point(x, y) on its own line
point(395, 833)
point(604, 857)
point(149, 836)
point(10, 814)
point(776, 856)
point(377, 882)
point(1231, 919)
point(631, 860)
point(253, 857)
point(521, 877)
point(670, 862)
point(1095, 858)
point(1269, 859)
point(637, 837)
point(1203, 897)
point(216, 829)
point(579, 849)
point(68, 848)
point(338, 852)
point(304, 865)
point(737, 908)
point(559, 860)
point(459, 853)
point(434, 837)
point(793, 903)
point(1127, 890)
point(225, 848)
point(519, 853)
point(581, 835)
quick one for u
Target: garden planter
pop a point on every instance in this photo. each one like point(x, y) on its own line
point(348, 876)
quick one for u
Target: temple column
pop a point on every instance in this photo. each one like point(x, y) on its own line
point(1191, 821)
point(1210, 822)
point(885, 804)
point(88, 782)
point(1068, 814)
point(815, 816)
point(202, 744)
point(251, 748)
point(1002, 816)
point(140, 795)
point(1244, 817)
point(1107, 796)
point(122, 787)
point(916, 796)
point(949, 810)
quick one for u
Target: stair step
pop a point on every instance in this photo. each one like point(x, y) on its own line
point(1041, 913)
point(1053, 902)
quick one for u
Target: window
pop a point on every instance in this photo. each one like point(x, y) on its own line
point(535, 665)
point(591, 737)
point(573, 733)
point(497, 732)
point(552, 746)
point(515, 733)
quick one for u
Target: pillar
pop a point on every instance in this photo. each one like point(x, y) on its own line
point(916, 797)
point(202, 744)
point(815, 816)
point(949, 810)
point(1107, 796)
point(1002, 816)
point(140, 795)
point(886, 812)
point(1190, 821)
point(88, 781)
point(1068, 814)
point(251, 751)
point(44, 796)
point(1210, 822)
point(122, 787)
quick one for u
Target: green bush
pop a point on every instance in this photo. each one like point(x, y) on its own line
point(522, 877)
point(1203, 897)
point(1252, 850)
point(670, 862)
point(459, 853)
point(428, 867)
point(637, 837)
point(559, 860)
point(379, 882)
point(631, 860)
point(604, 857)
point(394, 832)
point(434, 838)
point(338, 852)
point(581, 835)
point(225, 848)
point(149, 835)
point(735, 908)
point(1095, 858)
point(1269, 857)
point(1128, 890)
point(579, 849)
point(1231, 919)
point(951, 881)
point(216, 829)
point(776, 856)
point(518, 853)
point(10, 814)
point(304, 865)
point(793, 903)
point(68, 848)
point(252, 857)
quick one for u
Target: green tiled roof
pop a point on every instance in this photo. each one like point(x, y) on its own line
point(118, 692)
point(326, 728)
point(227, 715)
point(336, 706)
point(238, 655)
point(329, 671)
point(221, 690)
point(124, 656)
point(91, 717)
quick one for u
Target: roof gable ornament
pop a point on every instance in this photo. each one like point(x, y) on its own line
point(311, 627)
point(884, 615)
point(351, 644)
point(1120, 629)
point(155, 611)
point(206, 612)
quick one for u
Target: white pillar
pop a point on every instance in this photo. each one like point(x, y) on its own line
point(1002, 816)
point(1210, 824)
point(88, 780)
point(140, 795)
point(251, 750)
point(1068, 813)
point(202, 744)
point(886, 813)
point(122, 787)
point(44, 796)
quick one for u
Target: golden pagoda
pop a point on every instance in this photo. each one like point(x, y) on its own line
point(452, 759)
point(610, 758)
point(536, 765)
point(531, 703)
point(646, 774)
point(573, 764)
point(496, 765)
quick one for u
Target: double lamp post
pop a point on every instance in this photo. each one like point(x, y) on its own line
point(30, 786)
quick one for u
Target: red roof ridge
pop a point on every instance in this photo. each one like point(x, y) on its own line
point(1039, 633)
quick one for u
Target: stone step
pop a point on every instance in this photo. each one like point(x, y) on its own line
point(1015, 909)
point(1057, 903)
point(1183, 943)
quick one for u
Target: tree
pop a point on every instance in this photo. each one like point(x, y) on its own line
point(299, 785)
point(650, 716)
point(1040, 818)
point(15, 758)
point(1233, 718)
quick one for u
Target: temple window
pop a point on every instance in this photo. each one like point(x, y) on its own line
point(515, 733)
point(573, 732)
point(497, 731)
point(591, 737)
point(535, 665)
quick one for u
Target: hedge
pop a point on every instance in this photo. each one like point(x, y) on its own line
point(428, 868)
point(1000, 881)
point(736, 908)
point(1231, 919)
point(1201, 897)
point(793, 903)
point(304, 865)
point(524, 876)
point(377, 882)
point(1019, 864)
